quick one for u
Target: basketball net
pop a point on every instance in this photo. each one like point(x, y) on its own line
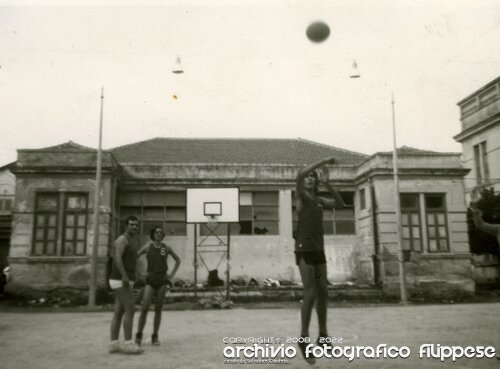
point(212, 222)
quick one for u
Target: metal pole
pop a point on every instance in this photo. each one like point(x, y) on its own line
point(402, 274)
point(228, 262)
point(93, 264)
point(195, 263)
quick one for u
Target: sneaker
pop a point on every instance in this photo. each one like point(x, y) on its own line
point(302, 348)
point(114, 347)
point(138, 338)
point(130, 348)
point(154, 340)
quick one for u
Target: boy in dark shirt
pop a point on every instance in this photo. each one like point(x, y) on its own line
point(121, 282)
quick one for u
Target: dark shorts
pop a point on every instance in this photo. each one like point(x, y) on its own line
point(157, 280)
point(311, 258)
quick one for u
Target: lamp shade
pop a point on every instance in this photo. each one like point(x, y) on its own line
point(354, 70)
point(178, 66)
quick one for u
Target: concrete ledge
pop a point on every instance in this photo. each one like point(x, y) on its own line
point(51, 259)
point(284, 293)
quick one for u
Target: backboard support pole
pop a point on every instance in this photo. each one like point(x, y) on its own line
point(211, 210)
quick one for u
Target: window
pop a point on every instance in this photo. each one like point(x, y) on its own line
point(49, 207)
point(410, 221)
point(437, 230)
point(259, 215)
point(481, 163)
point(339, 221)
point(46, 220)
point(75, 224)
point(362, 199)
point(6, 203)
point(155, 209)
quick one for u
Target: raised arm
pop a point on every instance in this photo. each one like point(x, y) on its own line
point(491, 229)
point(335, 201)
point(304, 171)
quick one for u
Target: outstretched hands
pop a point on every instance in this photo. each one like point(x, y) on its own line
point(319, 167)
point(323, 172)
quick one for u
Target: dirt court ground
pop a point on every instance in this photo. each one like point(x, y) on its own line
point(194, 338)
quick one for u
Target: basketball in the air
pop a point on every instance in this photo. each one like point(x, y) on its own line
point(318, 31)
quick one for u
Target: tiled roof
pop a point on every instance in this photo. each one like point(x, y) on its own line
point(407, 150)
point(67, 146)
point(7, 166)
point(232, 151)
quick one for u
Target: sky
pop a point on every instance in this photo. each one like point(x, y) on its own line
point(249, 71)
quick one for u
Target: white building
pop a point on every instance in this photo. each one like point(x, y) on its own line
point(480, 138)
point(53, 230)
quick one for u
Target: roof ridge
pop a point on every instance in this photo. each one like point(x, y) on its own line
point(332, 147)
point(133, 144)
point(229, 150)
point(202, 139)
point(222, 138)
point(68, 145)
point(405, 150)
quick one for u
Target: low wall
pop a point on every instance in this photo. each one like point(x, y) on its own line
point(56, 272)
point(486, 268)
point(440, 276)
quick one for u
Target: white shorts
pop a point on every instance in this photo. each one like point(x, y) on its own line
point(118, 283)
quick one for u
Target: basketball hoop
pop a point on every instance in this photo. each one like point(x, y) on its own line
point(208, 205)
point(211, 210)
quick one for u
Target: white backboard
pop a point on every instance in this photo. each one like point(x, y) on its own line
point(204, 205)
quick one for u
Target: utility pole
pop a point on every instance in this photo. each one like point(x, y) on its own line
point(95, 244)
point(399, 231)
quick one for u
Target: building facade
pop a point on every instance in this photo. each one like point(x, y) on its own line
point(480, 138)
point(52, 234)
point(7, 191)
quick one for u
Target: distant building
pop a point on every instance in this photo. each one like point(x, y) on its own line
point(52, 235)
point(480, 137)
point(7, 191)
